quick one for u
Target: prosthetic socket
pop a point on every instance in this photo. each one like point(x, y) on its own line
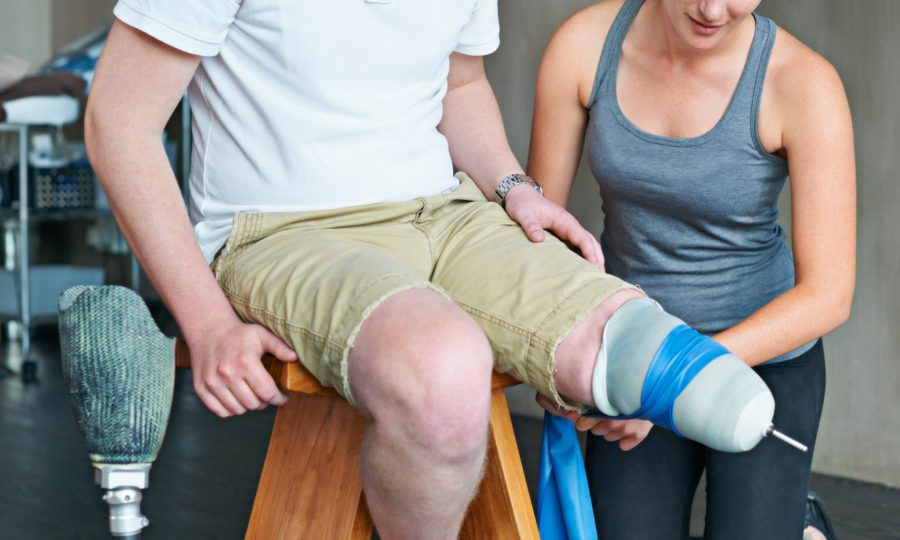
point(120, 374)
point(653, 366)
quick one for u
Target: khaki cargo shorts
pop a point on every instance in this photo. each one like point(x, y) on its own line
point(313, 278)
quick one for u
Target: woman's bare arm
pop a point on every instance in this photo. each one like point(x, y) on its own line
point(811, 113)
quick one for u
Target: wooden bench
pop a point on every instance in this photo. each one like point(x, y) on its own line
point(310, 485)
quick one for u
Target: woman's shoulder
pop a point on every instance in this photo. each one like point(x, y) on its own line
point(589, 24)
point(797, 75)
point(577, 44)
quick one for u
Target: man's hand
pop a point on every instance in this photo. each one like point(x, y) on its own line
point(138, 82)
point(229, 376)
point(629, 433)
point(536, 214)
point(474, 130)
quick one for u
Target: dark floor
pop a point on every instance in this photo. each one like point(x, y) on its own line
point(205, 478)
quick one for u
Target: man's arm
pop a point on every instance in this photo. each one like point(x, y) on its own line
point(478, 145)
point(137, 85)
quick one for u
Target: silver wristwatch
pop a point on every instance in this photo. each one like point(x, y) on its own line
point(513, 180)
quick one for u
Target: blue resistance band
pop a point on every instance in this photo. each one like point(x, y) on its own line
point(564, 509)
point(680, 357)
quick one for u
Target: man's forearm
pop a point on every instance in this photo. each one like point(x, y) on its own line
point(474, 129)
point(150, 211)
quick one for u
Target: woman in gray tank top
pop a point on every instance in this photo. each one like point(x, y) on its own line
point(694, 113)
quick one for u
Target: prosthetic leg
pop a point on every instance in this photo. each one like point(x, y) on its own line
point(653, 366)
point(121, 392)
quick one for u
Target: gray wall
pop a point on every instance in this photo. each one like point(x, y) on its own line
point(25, 29)
point(73, 19)
point(35, 29)
point(859, 433)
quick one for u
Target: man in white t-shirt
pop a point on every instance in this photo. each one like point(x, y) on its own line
point(328, 224)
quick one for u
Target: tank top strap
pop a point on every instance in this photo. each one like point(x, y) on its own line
point(762, 50)
point(612, 47)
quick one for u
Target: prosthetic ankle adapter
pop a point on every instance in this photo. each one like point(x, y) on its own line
point(120, 372)
point(653, 366)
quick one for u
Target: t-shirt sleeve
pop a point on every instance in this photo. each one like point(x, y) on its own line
point(482, 35)
point(196, 26)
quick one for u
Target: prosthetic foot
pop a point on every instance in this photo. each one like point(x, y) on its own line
point(120, 372)
point(653, 366)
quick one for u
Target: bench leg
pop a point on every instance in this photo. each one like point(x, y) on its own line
point(502, 509)
point(310, 485)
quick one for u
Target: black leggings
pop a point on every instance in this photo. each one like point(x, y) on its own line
point(646, 493)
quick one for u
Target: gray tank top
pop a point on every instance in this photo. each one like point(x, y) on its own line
point(692, 221)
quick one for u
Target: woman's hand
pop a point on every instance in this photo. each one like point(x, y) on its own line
point(629, 433)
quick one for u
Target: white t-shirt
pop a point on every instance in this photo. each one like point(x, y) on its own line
point(305, 105)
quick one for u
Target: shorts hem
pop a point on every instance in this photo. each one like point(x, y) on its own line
point(368, 307)
point(582, 303)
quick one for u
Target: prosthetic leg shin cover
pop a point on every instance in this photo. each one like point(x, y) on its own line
point(120, 371)
point(653, 366)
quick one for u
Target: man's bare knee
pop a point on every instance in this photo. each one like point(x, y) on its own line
point(421, 367)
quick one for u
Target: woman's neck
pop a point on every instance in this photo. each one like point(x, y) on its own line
point(655, 33)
